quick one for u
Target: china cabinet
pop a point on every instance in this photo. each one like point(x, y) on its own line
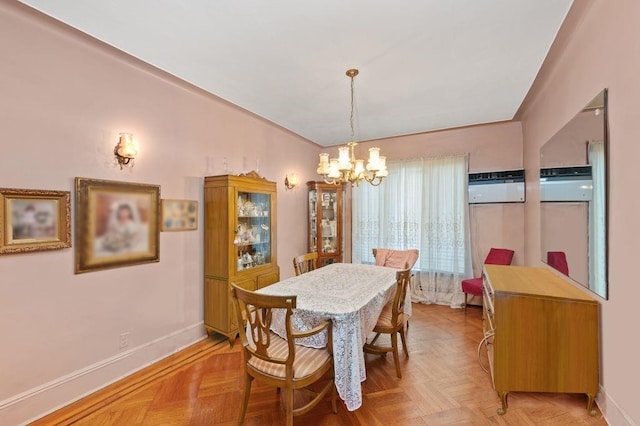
point(325, 222)
point(240, 244)
point(541, 333)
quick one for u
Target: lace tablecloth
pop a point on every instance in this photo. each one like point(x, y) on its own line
point(352, 296)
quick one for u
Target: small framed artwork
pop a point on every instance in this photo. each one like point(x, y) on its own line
point(116, 224)
point(34, 220)
point(179, 215)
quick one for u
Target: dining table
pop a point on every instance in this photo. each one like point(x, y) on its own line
point(352, 297)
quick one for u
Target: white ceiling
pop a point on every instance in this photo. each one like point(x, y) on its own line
point(424, 64)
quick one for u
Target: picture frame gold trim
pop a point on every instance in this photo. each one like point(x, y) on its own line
point(116, 224)
point(178, 215)
point(34, 220)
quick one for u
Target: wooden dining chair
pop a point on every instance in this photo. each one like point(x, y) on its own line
point(392, 321)
point(399, 259)
point(280, 362)
point(305, 263)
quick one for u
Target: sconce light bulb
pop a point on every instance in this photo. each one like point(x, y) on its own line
point(125, 151)
point(290, 181)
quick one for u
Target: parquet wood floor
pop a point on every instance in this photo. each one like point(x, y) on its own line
point(442, 384)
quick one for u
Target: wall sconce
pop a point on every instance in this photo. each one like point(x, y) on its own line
point(290, 181)
point(125, 151)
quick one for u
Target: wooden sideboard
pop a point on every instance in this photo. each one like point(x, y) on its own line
point(541, 333)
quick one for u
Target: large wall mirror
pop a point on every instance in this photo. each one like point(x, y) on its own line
point(573, 197)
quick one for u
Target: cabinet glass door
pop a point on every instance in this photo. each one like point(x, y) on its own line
point(328, 221)
point(253, 230)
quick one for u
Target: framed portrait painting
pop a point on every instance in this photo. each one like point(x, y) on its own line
point(34, 220)
point(116, 224)
point(179, 215)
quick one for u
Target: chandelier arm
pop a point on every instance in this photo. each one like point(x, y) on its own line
point(331, 182)
point(373, 179)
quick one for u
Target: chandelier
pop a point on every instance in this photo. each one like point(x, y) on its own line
point(346, 168)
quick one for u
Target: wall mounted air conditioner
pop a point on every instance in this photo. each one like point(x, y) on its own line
point(496, 187)
point(566, 184)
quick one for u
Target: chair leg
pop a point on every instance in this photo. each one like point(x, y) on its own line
point(465, 303)
point(396, 357)
point(247, 390)
point(333, 397)
point(289, 405)
point(375, 338)
point(404, 342)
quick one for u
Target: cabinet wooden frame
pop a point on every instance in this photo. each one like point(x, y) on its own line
point(222, 218)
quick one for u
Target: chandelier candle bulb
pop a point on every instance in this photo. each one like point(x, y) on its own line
point(344, 161)
point(374, 159)
point(334, 169)
point(383, 172)
point(323, 166)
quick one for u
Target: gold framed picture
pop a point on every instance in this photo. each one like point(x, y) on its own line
point(34, 220)
point(116, 224)
point(179, 215)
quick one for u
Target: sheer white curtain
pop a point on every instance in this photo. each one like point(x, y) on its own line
point(421, 204)
point(597, 220)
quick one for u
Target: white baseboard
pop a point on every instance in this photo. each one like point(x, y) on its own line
point(611, 411)
point(37, 402)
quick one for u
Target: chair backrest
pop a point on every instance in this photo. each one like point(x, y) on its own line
point(558, 261)
point(499, 256)
point(395, 258)
point(255, 310)
point(305, 262)
point(403, 277)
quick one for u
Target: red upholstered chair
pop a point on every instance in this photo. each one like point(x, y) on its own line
point(558, 261)
point(473, 286)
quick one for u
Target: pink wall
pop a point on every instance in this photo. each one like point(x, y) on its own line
point(597, 47)
point(490, 147)
point(64, 98)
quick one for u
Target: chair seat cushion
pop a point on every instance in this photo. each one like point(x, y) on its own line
point(385, 320)
point(307, 360)
point(472, 286)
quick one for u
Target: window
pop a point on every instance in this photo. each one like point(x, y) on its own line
point(421, 204)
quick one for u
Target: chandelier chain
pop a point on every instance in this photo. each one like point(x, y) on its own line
point(352, 109)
